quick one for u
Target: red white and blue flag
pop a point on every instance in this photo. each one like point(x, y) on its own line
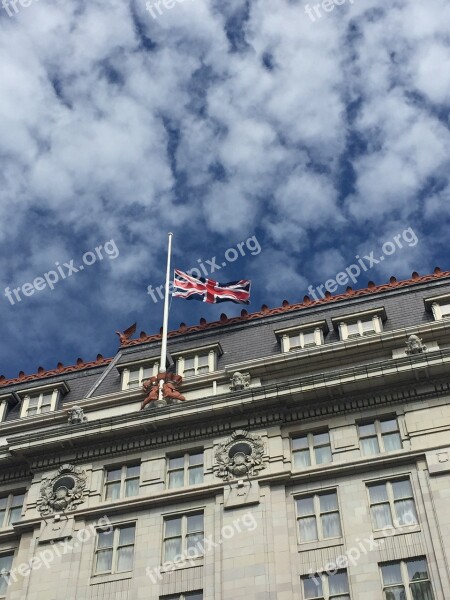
point(208, 290)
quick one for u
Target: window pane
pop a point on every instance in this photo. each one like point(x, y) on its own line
point(194, 523)
point(392, 441)
point(308, 529)
point(195, 475)
point(2, 517)
point(352, 329)
point(378, 493)
point(309, 339)
point(6, 562)
point(294, 341)
point(173, 527)
point(305, 506)
point(300, 443)
point(391, 574)
point(406, 512)
point(417, 569)
point(3, 586)
point(196, 542)
point(370, 446)
point(312, 587)
point(302, 458)
point(105, 539)
point(18, 500)
point(367, 326)
point(388, 425)
point(193, 596)
point(104, 561)
point(172, 548)
point(323, 455)
point(321, 439)
point(176, 463)
point(33, 401)
point(113, 491)
point(188, 363)
point(381, 516)
point(338, 583)
point(422, 591)
point(176, 479)
point(331, 525)
point(402, 489)
point(125, 558)
point(45, 408)
point(328, 502)
point(196, 459)
point(126, 535)
point(133, 471)
point(3, 503)
point(395, 593)
point(15, 515)
point(113, 474)
point(132, 487)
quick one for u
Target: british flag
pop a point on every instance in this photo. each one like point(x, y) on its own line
point(208, 290)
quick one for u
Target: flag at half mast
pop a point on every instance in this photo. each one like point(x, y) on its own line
point(207, 290)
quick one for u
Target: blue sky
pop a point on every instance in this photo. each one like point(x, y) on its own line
point(220, 121)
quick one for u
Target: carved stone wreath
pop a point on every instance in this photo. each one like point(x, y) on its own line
point(241, 455)
point(64, 491)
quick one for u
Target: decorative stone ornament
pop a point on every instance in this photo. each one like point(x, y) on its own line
point(414, 345)
point(240, 381)
point(76, 415)
point(242, 455)
point(170, 384)
point(62, 492)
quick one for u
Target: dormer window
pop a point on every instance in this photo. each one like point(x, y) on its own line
point(199, 361)
point(360, 325)
point(302, 336)
point(439, 306)
point(134, 374)
point(41, 400)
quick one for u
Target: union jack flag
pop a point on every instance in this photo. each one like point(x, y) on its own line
point(208, 290)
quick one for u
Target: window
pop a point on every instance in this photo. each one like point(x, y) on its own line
point(115, 550)
point(134, 375)
point(6, 561)
point(122, 482)
point(440, 307)
point(361, 324)
point(406, 580)
point(381, 435)
point(39, 403)
point(392, 503)
point(186, 596)
point(199, 361)
point(318, 517)
point(311, 449)
point(303, 336)
point(326, 587)
point(181, 533)
point(11, 509)
point(185, 469)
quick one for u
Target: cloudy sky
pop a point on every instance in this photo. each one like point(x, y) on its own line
point(219, 120)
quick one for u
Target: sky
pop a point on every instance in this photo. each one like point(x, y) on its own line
point(276, 145)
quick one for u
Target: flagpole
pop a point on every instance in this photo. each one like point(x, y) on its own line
point(162, 362)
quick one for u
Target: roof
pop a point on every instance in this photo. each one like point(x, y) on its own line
point(329, 300)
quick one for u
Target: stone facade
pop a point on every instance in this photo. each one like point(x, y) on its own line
point(293, 474)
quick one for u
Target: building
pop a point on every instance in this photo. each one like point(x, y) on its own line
point(309, 459)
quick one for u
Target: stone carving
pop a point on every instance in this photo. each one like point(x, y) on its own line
point(414, 345)
point(64, 491)
point(76, 415)
point(240, 381)
point(171, 395)
point(242, 454)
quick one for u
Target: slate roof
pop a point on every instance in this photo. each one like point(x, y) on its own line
point(249, 336)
